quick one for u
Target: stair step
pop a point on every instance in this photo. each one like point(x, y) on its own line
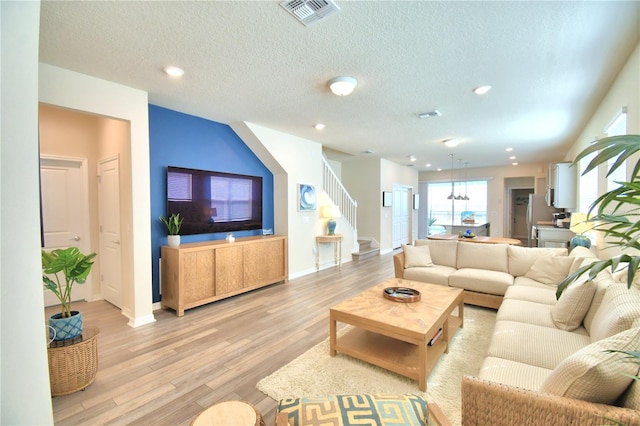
point(364, 244)
point(363, 254)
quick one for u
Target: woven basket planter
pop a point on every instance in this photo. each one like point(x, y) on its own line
point(73, 367)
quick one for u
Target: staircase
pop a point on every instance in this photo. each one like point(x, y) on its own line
point(341, 198)
point(366, 250)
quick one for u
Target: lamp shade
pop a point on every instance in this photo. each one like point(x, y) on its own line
point(330, 212)
point(342, 86)
point(579, 223)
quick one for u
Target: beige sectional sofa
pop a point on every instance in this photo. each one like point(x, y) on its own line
point(550, 361)
point(484, 271)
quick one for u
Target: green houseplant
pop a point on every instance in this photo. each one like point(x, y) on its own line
point(74, 267)
point(615, 213)
point(173, 224)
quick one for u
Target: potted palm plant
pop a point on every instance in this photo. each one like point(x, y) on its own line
point(173, 224)
point(616, 213)
point(74, 266)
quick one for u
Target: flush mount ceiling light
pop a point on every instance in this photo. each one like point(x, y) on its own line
point(412, 158)
point(429, 114)
point(173, 71)
point(481, 90)
point(320, 126)
point(451, 142)
point(342, 86)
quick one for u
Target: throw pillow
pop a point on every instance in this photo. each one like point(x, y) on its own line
point(593, 373)
point(416, 256)
point(573, 305)
point(550, 270)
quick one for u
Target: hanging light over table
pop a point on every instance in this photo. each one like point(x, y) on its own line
point(452, 195)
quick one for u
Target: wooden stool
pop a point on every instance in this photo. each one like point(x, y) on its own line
point(229, 413)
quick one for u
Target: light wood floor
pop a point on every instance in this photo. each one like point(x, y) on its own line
point(165, 373)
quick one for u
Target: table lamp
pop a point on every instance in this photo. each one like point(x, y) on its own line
point(579, 226)
point(331, 212)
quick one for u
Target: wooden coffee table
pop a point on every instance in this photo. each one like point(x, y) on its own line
point(395, 335)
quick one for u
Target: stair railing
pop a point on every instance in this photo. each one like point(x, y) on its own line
point(341, 198)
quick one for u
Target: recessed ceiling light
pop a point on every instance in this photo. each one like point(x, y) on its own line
point(481, 90)
point(173, 71)
point(509, 149)
point(451, 142)
point(513, 157)
point(428, 165)
point(320, 126)
point(439, 169)
point(412, 158)
point(514, 164)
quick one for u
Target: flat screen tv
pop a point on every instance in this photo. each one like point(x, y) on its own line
point(211, 202)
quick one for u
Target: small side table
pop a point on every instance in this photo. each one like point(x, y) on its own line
point(237, 413)
point(337, 248)
point(73, 364)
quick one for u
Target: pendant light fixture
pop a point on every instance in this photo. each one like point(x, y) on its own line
point(466, 197)
point(459, 196)
point(451, 196)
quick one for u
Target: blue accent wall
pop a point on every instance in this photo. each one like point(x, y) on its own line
point(177, 139)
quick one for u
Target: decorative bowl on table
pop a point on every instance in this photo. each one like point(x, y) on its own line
point(401, 294)
point(467, 234)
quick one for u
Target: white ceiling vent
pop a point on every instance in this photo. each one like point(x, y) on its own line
point(310, 11)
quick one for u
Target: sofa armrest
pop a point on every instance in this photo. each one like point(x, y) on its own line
point(435, 416)
point(398, 264)
point(489, 403)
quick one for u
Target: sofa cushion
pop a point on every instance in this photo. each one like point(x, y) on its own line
point(436, 274)
point(542, 294)
point(481, 280)
point(526, 312)
point(535, 345)
point(580, 251)
point(528, 282)
point(381, 410)
point(593, 373)
point(521, 258)
point(573, 305)
point(602, 280)
point(416, 256)
point(550, 270)
point(513, 373)
point(443, 252)
point(483, 256)
point(620, 307)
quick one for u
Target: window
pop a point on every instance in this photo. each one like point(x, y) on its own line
point(616, 128)
point(447, 212)
point(179, 186)
point(588, 185)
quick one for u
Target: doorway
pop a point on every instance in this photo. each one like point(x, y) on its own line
point(518, 217)
point(65, 208)
point(401, 211)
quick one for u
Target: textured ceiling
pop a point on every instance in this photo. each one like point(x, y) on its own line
point(550, 63)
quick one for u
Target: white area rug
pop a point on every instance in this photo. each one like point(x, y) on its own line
point(315, 373)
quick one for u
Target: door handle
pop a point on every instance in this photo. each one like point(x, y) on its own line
point(76, 238)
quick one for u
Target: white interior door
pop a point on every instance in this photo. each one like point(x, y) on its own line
point(109, 218)
point(65, 212)
point(400, 216)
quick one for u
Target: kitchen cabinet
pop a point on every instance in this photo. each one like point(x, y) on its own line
point(549, 236)
point(561, 191)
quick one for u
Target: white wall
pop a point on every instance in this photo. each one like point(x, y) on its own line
point(300, 160)
point(625, 91)
point(25, 398)
point(84, 93)
point(365, 179)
